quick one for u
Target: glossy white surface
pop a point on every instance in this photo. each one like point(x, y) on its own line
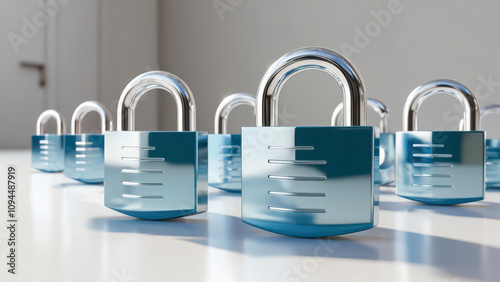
point(66, 234)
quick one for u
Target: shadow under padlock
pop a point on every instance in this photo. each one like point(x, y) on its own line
point(47, 150)
point(224, 150)
point(440, 167)
point(310, 181)
point(84, 153)
point(386, 143)
point(156, 174)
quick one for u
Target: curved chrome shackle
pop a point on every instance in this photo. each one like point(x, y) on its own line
point(311, 58)
point(463, 94)
point(45, 116)
point(226, 106)
point(91, 106)
point(186, 108)
point(374, 104)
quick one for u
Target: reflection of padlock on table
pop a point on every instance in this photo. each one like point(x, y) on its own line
point(47, 150)
point(387, 142)
point(224, 150)
point(440, 167)
point(156, 174)
point(309, 181)
point(84, 153)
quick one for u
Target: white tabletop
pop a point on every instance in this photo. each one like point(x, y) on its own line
point(65, 233)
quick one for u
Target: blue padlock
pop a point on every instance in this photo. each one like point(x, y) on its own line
point(492, 152)
point(156, 174)
point(440, 167)
point(47, 150)
point(84, 153)
point(387, 141)
point(224, 150)
point(310, 181)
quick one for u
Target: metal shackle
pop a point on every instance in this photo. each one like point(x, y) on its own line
point(463, 94)
point(374, 104)
point(186, 108)
point(45, 116)
point(311, 58)
point(227, 105)
point(91, 106)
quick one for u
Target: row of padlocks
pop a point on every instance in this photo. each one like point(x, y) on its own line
point(305, 181)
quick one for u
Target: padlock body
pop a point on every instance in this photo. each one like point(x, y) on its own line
point(440, 167)
point(387, 158)
point(47, 152)
point(493, 163)
point(310, 181)
point(84, 157)
point(224, 161)
point(156, 175)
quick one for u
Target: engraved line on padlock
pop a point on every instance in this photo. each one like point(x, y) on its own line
point(47, 152)
point(387, 172)
point(440, 167)
point(156, 174)
point(84, 153)
point(309, 181)
point(224, 150)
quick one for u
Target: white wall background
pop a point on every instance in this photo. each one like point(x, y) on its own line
point(426, 40)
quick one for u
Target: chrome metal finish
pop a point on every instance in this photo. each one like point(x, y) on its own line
point(311, 58)
point(47, 150)
point(226, 106)
point(186, 108)
point(463, 94)
point(224, 152)
point(156, 175)
point(85, 108)
point(441, 167)
point(47, 115)
point(310, 181)
point(375, 105)
point(492, 151)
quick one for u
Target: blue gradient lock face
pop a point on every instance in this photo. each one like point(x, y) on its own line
point(224, 161)
point(47, 152)
point(84, 157)
point(440, 167)
point(309, 181)
point(154, 175)
point(493, 163)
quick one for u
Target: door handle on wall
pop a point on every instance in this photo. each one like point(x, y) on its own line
point(40, 67)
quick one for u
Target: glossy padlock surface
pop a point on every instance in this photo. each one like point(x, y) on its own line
point(310, 181)
point(386, 144)
point(224, 150)
point(47, 150)
point(84, 153)
point(441, 167)
point(492, 151)
point(156, 175)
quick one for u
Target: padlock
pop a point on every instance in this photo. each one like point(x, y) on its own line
point(47, 150)
point(84, 153)
point(310, 181)
point(440, 167)
point(224, 150)
point(386, 173)
point(492, 152)
point(156, 174)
